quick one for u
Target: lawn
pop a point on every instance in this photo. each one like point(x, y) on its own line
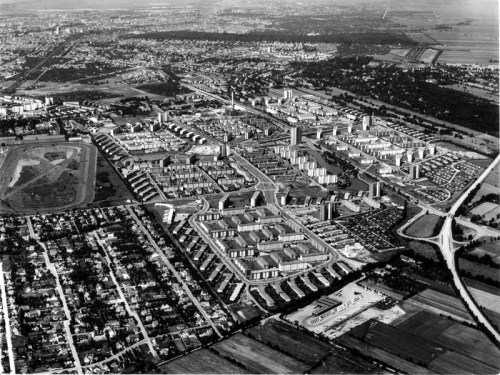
point(424, 227)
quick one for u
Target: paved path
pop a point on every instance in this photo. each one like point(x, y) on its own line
point(8, 334)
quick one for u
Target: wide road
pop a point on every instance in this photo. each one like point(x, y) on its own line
point(448, 250)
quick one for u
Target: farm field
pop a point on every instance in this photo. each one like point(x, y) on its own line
point(462, 340)
point(484, 190)
point(482, 93)
point(345, 363)
point(48, 177)
point(493, 177)
point(440, 303)
point(258, 358)
point(465, 49)
point(470, 342)
point(424, 227)
point(386, 357)
point(201, 362)
point(290, 340)
point(424, 338)
point(490, 248)
point(454, 363)
point(486, 299)
point(396, 341)
point(424, 324)
point(477, 269)
point(486, 209)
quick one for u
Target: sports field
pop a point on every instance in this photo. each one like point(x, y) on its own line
point(43, 178)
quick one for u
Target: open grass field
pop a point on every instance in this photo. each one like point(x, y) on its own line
point(258, 358)
point(494, 177)
point(423, 227)
point(244, 313)
point(439, 303)
point(201, 362)
point(109, 187)
point(290, 340)
point(48, 177)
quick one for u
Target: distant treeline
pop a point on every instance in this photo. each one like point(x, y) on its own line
point(276, 36)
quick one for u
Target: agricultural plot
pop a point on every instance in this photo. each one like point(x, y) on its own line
point(398, 342)
point(345, 363)
point(477, 269)
point(202, 362)
point(56, 176)
point(392, 360)
point(301, 345)
point(258, 358)
point(424, 324)
point(453, 363)
point(486, 210)
point(424, 227)
point(486, 299)
point(478, 355)
point(439, 303)
point(472, 343)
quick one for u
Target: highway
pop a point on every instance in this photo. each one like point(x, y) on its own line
point(448, 250)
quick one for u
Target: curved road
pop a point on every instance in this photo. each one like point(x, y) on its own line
point(448, 251)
